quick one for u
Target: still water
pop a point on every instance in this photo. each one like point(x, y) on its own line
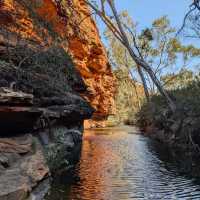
point(119, 164)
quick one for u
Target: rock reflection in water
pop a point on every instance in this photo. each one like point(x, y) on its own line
point(117, 164)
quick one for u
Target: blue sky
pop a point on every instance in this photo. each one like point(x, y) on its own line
point(144, 12)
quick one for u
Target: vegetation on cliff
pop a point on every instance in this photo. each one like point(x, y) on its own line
point(162, 50)
point(128, 99)
point(170, 111)
point(68, 25)
point(179, 129)
point(41, 110)
point(55, 73)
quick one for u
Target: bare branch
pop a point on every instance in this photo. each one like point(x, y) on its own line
point(187, 15)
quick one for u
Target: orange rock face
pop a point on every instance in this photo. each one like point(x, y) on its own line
point(46, 22)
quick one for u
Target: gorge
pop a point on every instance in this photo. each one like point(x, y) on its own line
point(69, 105)
point(54, 74)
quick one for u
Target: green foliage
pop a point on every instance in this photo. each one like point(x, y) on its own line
point(177, 81)
point(55, 153)
point(128, 98)
point(44, 73)
point(118, 54)
point(181, 126)
point(156, 44)
point(147, 34)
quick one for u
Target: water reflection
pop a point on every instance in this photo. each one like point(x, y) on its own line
point(117, 164)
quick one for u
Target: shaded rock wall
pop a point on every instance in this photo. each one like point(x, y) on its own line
point(40, 89)
point(41, 119)
point(43, 23)
point(22, 166)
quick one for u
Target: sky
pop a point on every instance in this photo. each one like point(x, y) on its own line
point(144, 12)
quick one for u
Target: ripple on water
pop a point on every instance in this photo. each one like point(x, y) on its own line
point(117, 164)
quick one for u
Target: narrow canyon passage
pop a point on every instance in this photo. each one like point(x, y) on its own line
point(119, 164)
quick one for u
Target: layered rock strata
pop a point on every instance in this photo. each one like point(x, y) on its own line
point(67, 23)
point(41, 121)
point(41, 111)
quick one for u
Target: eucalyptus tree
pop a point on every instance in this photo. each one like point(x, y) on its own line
point(178, 80)
point(163, 50)
point(119, 55)
point(157, 44)
point(152, 51)
point(112, 20)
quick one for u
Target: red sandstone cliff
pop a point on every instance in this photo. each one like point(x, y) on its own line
point(43, 23)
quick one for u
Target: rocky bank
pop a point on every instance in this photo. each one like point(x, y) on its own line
point(54, 74)
point(178, 131)
point(41, 122)
point(67, 23)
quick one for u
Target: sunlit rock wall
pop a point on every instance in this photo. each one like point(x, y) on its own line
point(68, 23)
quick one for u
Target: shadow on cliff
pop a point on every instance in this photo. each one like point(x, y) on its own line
point(50, 76)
